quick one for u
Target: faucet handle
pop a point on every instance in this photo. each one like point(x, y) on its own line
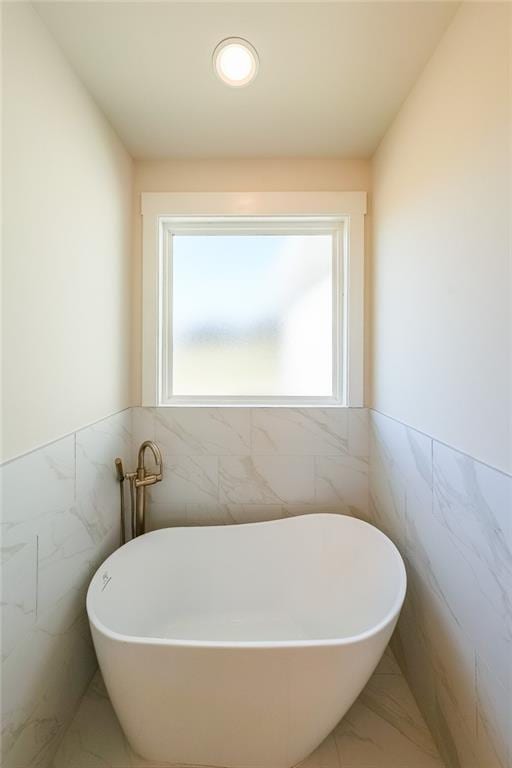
point(147, 480)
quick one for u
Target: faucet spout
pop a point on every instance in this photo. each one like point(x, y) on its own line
point(155, 450)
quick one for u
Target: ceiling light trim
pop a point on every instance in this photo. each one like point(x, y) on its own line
point(221, 63)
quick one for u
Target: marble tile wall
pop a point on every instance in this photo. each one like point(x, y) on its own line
point(60, 508)
point(225, 465)
point(451, 517)
point(60, 514)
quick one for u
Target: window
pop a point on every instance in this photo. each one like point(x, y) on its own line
point(251, 309)
point(245, 308)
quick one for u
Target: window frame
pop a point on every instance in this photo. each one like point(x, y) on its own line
point(343, 212)
point(255, 225)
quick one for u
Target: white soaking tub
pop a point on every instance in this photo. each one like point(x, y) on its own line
point(243, 645)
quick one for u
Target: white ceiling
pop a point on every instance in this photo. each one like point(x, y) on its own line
point(332, 75)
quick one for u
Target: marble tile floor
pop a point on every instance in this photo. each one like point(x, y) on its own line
point(383, 729)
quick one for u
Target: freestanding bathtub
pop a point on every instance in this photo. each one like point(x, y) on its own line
point(243, 645)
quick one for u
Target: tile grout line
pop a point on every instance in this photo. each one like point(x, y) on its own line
point(475, 683)
point(75, 493)
point(37, 576)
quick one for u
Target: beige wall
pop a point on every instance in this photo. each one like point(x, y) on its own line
point(258, 175)
point(66, 245)
point(441, 287)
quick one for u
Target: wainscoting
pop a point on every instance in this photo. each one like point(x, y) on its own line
point(60, 519)
point(451, 517)
point(236, 465)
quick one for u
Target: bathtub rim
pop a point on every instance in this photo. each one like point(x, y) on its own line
point(391, 615)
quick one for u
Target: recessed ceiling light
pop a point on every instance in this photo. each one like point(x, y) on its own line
point(235, 61)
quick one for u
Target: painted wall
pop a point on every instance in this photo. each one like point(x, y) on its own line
point(441, 373)
point(259, 175)
point(67, 207)
point(67, 221)
point(442, 323)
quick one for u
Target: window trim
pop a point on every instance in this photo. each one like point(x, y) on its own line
point(347, 208)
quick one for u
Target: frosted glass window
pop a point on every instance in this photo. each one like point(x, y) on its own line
point(251, 316)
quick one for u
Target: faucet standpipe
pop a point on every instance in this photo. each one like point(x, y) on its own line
point(138, 480)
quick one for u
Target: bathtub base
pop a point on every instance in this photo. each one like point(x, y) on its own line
point(235, 708)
